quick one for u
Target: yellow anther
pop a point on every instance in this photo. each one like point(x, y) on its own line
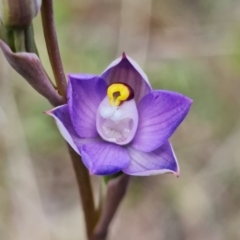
point(117, 93)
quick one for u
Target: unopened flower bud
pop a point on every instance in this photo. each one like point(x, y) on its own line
point(18, 13)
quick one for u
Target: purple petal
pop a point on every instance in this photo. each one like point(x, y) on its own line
point(85, 93)
point(160, 113)
point(104, 158)
point(162, 160)
point(127, 71)
point(81, 76)
point(64, 124)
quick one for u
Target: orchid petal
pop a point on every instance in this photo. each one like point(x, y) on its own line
point(161, 160)
point(85, 93)
point(104, 158)
point(160, 113)
point(64, 124)
point(126, 70)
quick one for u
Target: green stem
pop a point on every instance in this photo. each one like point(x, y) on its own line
point(19, 39)
point(29, 40)
point(7, 36)
point(86, 193)
point(52, 46)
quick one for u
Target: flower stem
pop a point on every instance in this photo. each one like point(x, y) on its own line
point(82, 175)
point(116, 190)
point(86, 194)
point(52, 45)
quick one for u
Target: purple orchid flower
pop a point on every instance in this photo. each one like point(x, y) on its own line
point(116, 122)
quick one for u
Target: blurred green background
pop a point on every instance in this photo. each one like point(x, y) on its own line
point(183, 45)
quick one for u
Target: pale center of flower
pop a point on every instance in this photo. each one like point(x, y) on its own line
point(117, 116)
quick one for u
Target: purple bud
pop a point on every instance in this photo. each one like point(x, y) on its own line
point(18, 13)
